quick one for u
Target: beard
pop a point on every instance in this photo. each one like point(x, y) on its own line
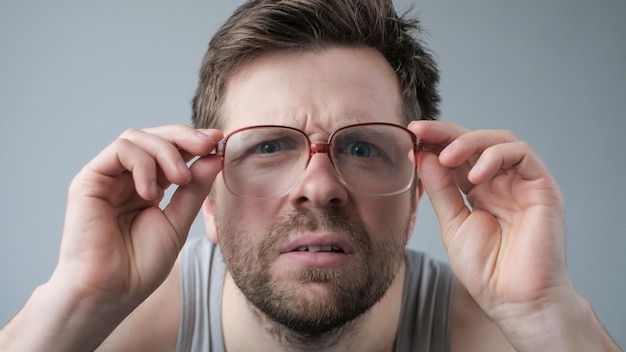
point(311, 302)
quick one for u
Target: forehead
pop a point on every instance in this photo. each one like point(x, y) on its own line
point(316, 91)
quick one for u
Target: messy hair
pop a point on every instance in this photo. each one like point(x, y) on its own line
point(262, 26)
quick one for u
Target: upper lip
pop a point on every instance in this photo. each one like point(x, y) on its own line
point(321, 239)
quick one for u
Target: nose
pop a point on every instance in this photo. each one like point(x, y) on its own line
point(319, 186)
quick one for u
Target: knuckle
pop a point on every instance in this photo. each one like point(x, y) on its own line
point(508, 135)
point(130, 133)
point(524, 145)
point(122, 142)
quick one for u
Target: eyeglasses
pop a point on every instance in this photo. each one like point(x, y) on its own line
point(374, 159)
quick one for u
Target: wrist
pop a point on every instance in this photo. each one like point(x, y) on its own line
point(58, 319)
point(566, 324)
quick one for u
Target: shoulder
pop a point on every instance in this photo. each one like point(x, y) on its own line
point(428, 282)
point(470, 328)
point(154, 324)
point(421, 261)
point(453, 311)
point(198, 249)
point(202, 272)
point(424, 322)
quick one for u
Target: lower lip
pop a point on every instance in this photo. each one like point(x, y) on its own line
point(317, 259)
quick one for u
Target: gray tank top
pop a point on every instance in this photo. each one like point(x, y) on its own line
point(424, 324)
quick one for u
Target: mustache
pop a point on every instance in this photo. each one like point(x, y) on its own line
point(306, 219)
point(332, 220)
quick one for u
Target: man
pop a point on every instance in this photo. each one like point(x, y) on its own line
point(309, 182)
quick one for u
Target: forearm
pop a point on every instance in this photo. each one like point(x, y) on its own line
point(570, 325)
point(55, 320)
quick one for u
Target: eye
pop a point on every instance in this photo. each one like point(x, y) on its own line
point(360, 149)
point(268, 147)
point(284, 145)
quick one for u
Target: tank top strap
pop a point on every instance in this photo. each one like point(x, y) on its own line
point(424, 324)
point(202, 280)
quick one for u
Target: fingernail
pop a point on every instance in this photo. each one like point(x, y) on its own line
point(203, 135)
point(449, 148)
point(154, 189)
point(474, 171)
point(183, 167)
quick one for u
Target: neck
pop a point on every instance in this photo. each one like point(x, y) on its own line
point(375, 330)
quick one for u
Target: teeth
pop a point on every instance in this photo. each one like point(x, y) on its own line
point(319, 249)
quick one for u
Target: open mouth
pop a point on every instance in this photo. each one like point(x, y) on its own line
point(331, 249)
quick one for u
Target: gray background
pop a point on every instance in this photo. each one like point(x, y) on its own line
point(73, 75)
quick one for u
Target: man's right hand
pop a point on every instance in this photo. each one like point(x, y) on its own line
point(118, 244)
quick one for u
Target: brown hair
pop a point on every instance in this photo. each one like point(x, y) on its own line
point(261, 26)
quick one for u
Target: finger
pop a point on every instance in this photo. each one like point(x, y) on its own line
point(212, 134)
point(172, 147)
point(187, 199)
point(195, 142)
point(124, 156)
point(446, 199)
point(469, 146)
point(435, 135)
point(505, 156)
point(458, 147)
point(167, 156)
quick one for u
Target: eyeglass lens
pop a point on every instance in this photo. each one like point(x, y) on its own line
point(268, 161)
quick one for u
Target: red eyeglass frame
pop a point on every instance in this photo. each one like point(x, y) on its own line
point(325, 147)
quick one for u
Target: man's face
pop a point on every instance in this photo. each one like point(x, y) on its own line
point(318, 256)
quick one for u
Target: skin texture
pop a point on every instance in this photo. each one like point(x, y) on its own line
point(315, 93)
point(117, 273)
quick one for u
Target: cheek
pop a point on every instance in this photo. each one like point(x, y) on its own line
point(243, 217)
point(385, 216)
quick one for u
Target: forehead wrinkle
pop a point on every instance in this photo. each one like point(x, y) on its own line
point(317, 97)
point(323, 114)
point(313, 114)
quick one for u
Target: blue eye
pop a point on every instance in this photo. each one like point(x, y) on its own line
point(268, 147)
point(360, 149)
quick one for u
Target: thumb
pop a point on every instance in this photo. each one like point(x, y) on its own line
point(187, 199)
point(445, 196)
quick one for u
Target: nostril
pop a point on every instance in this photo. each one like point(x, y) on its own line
point(335, 201)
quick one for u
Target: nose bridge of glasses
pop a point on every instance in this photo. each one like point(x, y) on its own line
point(320, 148)
point(325, 148)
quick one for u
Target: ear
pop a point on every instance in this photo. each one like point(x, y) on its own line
point(419, 192)
point(209, 220)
